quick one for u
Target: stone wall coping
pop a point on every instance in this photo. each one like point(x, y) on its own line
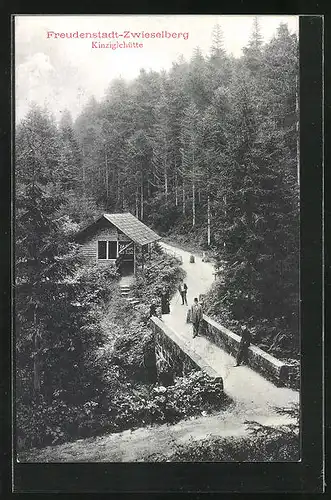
point(198, 360)
point(256, 350)
point(218, 326)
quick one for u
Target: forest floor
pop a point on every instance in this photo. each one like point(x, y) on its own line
point(254, 398)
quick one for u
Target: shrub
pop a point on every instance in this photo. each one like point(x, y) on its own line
point(188, 396)
point(196, 393)
point(129, 351)
point(126, 406)
point(163, 272)
point(43, 424)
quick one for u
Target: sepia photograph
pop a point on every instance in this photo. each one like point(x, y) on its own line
point(156, 238)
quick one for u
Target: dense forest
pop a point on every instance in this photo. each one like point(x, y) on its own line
point(205, 153)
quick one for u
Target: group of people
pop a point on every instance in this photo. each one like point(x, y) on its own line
point(195, 315)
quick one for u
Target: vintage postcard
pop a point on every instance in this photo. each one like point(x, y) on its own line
point(156, 238)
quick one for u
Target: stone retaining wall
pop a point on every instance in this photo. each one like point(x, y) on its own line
point(262, 362)
point(177, 353)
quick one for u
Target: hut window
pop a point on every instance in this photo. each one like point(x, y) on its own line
point(112, 249)
point(102, 249)
point(107, 250)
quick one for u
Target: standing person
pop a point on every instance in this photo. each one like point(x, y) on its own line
point(152, 309)
point(183, 292)
point(165, 303)
point(245, 342)
point(196, 316)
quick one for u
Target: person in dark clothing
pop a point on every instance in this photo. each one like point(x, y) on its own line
point(183, 292)
point(196, 316)
point(165, 303)
point(152, 309)
point(245, 342)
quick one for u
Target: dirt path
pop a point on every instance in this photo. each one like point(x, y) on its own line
point(140, 444)
point(251, 392)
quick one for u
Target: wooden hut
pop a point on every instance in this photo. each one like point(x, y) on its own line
point(116, 239)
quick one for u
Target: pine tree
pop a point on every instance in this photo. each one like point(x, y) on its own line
point(162, 141)
point(70, 160)
point(56, 325)
point(197, 82)
point(43, 258)
point(257, 211)
point(88, 128)
point(139, 154)
point(217, 47)
point(214, 136)
point(253, 51)
point(281, 66)
point(116, 108)
point(190, 151)
point(38, 152)
point(178, 101)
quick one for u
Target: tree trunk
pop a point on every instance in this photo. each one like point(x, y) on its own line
point(208, 220)
point(141, 200)
point(36, 377)
point(165, 171)
point(176, 187)
point(184, 199)
point(119, 190)
point(36, 371)
point(137, 209)
point(193, 193)
point(166, 183)
point(156, 181)
point(107, 180)
point(193, 203)
point(83, 169)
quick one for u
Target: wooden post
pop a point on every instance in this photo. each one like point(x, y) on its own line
point(142, 257)
point(134, 259)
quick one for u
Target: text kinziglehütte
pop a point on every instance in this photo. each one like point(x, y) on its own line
point(124, 35)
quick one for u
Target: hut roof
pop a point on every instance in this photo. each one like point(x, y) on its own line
point(130, 226)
